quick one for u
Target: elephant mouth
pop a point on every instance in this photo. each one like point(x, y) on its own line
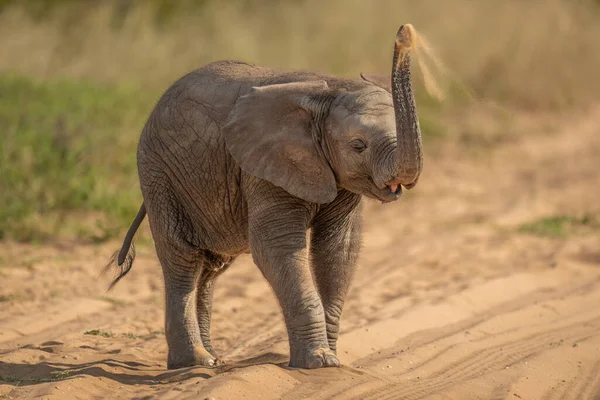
point(389, 194)
point(385, 194)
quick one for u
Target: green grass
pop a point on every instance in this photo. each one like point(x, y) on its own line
point(67, 158)
point(561, 226)
point(53, 377)
point(4, 298)
point(130, 335)
point(117, 303)
point(97, 332)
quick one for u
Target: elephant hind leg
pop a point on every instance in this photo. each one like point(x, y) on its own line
point(182, 269)
point(213, 267)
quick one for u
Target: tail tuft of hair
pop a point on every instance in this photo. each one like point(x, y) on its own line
point(120, 269)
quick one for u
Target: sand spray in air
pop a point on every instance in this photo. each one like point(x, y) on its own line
point(436, 76)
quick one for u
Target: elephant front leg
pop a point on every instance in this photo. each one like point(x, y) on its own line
point(278, 245)
point(335, 245)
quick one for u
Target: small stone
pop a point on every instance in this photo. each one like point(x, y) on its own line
point(389, 366)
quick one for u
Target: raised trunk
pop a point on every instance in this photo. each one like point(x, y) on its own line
point(409, 150)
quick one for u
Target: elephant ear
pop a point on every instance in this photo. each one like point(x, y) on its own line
point(381, 80)
point(271, 133)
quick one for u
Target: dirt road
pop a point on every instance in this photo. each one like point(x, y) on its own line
point(450, 301)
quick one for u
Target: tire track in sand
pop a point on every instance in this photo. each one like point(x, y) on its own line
point(447, 366)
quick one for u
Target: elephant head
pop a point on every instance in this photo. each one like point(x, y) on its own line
point(311, 137)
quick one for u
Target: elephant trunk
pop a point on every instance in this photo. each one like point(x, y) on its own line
point(409, 148)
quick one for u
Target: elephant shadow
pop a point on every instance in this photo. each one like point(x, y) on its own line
point(130, 372)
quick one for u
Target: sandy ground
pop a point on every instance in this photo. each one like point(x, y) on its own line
point(450, 300)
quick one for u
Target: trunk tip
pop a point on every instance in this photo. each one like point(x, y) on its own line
point(405, 38)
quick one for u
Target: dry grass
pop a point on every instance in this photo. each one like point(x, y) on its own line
point(533, 54)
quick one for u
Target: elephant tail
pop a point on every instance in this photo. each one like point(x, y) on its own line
point(122, 260)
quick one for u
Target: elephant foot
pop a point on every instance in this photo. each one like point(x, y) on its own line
point(319, 358)
point(212, 351)
point(197, 357)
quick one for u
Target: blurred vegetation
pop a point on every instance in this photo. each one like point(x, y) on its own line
point(67, 146)
point(534, 54)
point(561, 226)
point(78, 79)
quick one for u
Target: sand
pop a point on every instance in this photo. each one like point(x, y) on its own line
point(450, 300)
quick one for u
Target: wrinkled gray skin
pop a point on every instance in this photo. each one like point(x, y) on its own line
point(238, 159)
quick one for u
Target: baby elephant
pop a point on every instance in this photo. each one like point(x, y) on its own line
point(237, 158)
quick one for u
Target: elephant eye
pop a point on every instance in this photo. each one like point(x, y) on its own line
point(358, 145)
